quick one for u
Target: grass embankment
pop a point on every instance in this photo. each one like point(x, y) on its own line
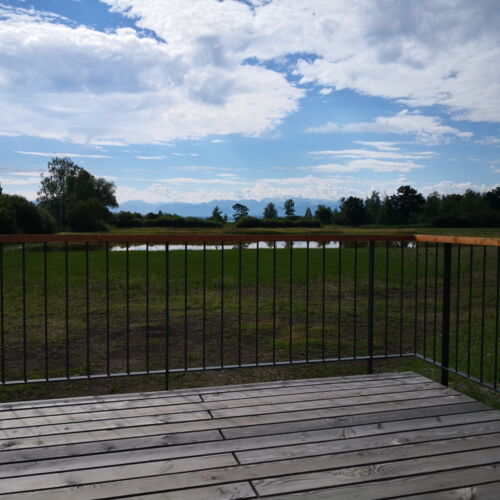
point(299, 326)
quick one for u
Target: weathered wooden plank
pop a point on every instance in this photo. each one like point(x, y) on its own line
point(350, 426)
point(102, 447)
point(372, 441)
point(383, 470)
point(266, 418)
point(267, 448)
point(257, 393)
point(125, 408)
point(281, 477)
point(201, 390)
point(460, 480)
point(100, 418)
point(323, 423)
point(114, 473)
point(330, 402)
point(228, 491)
point(490, 491)
point(88, 426)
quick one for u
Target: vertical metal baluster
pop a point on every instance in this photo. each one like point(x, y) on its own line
point(167, 316)
point(339, 305)
point(307, 301)
point(45, 312)
point(371, 293)
point(355, 323)
point(204, 333)
point(87, 309)
point(495, 362)
point(147, 308)
point(457, 313)
point(401, 286)
point(222, 305)
point(127, 305)
point(434, 340)
point(445, 333)
point(66, 305)
point(185, 305)
point(257, 304)
point(323, 297)
point(274, 302)
point(426, 274)
point(483, 304)
point(469, 333)
point(25, 339)
point(416, 300)
point(2, 313)
point(108, 366)
point(290, 353)
point(239, 301)
point(386, 332)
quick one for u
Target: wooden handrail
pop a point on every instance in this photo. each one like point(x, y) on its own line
point(195, 238)
point(244, 238)
point(458, 240)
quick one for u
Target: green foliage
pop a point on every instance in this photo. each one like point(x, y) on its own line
point(277, 222)
point(18, 215)
point(69, 191)
point(218, 216)
point(308, 214)
point(289, 207)
point(239, 211)
point(352, 211)
point(134, 219)
point(270, 211)
point(324, 214)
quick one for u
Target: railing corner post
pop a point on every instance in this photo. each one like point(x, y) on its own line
point(445, 334)
point(371, 292)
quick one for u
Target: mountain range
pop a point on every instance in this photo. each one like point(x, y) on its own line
point(255, 207)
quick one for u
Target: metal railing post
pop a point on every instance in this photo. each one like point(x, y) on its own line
point(371, 289)
point(445, 333)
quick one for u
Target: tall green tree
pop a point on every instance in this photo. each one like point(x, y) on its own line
point(324, 214)
point(289, 207)
point(270, 211)
point(218, 216)
point(308, 214)
point(66, 186)
point(239, 211)
point(352, 211)
point(405, 205)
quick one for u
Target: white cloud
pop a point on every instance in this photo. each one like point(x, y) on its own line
point(84, 86)
point(370, 154)
point(423, 53)
point(426, 129)
point(326, 91)
point(185, 154)
point(54, 155)
point(366, 164)
point(382, 145)
point(158, 157)
point(449, 187)
point(490, 141)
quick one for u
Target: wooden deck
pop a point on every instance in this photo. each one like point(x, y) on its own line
point(366, 436)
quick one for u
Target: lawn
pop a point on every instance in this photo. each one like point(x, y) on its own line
point(251, 312)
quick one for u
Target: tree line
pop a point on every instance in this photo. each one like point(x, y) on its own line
point(72, 199)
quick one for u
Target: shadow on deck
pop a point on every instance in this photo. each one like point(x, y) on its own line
point(362, 437)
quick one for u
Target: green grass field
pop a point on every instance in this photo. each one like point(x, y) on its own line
point(259, 313)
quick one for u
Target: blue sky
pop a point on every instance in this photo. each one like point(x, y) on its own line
point(196, 100)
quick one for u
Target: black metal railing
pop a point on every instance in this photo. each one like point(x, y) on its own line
point(93, 306)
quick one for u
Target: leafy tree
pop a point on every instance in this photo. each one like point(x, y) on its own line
point(218, 216)
point(270, 211)
point(18, 215)
point(66, 184)
point(373, 206)
point(239, 211)
point(352, 211)
point(308, 214)
point(406, 204)
point(289, 207)
point(323, 214)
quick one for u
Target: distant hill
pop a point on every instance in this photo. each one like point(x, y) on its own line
point(205, 209)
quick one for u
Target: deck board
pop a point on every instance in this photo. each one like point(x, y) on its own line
point(366, 436)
